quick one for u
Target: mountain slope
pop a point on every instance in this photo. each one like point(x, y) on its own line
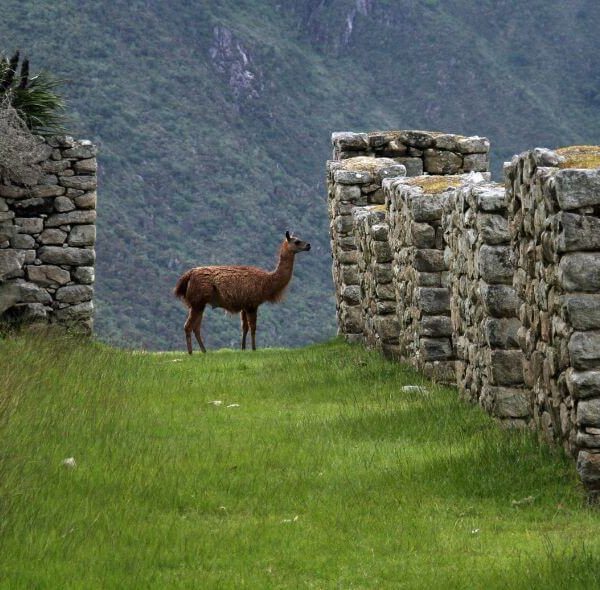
point(213, 120)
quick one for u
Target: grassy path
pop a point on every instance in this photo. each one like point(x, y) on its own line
point(316, 471)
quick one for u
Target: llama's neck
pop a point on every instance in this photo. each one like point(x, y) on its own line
point(281, 276)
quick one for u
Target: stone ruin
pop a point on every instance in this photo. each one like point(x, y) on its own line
point(494, 288)
point(47, 236)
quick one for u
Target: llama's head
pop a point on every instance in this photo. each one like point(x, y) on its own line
point(295, 244)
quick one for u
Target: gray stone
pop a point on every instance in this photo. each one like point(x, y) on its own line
point(576, 232)
point(10, 293)
point(413, 166)
point(13, 192)
point(426, 207)
point(580, 271)
point(509, 402)
point(584, 384)
point(545, 157)
point(499, 300)
point(88, 166)
point(46, 191)
point(588, 412)
point(383, 273)
point(346, 140)
point(506, 367)
point(476, 163)
point(75, 313)
point(86, 201)
point(381, 251)
point(442, 162)
point(474, 145)
point(29, 225)
point(3, 205)
point(433, 301)
point(387, 327)
point(343, 192)
point(63, 204)
point(47, 275)
point(81, 150)
point(429, 260)
point(436, 326)
point(423, 235)
point(588, 467)
point(490, 199)
point(31, 293)
point(495, 265)
point(84, 274)
point(582, 311)
point(6, 216)
point(584, 350)
point(577, 188)
point(74, 293)
point(386, 292)
point(435, 349)
point(352, 177)
point(11, 261)
point(73, 217)
point(22, 241)
point(448, 142)
point(83, 235)
point(351, 294)
point(501, 332)
point(69, 256)
point(493, 228)
point(417, 139)
point(52, 236)
point(7, 232)
point(83, 183)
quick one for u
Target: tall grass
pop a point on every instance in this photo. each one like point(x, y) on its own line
point(316, 470)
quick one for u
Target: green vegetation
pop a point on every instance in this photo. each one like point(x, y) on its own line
point(214, 119)
point(34, 98)
point(327, 474)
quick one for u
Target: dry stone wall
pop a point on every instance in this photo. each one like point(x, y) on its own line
point(47, 237)
point(496, 288)
point(554, 213)
point(484, 304)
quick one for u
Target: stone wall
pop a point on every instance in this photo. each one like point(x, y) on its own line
point(484, 305)
point(47, 236)
point(554, 214)
point(497, 288)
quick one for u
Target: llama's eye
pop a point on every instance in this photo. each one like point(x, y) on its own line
point(296, 242)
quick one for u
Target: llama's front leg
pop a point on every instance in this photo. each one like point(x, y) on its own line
point(244, 319)
point(252, 322)
point(196, 327)
point(188, 327)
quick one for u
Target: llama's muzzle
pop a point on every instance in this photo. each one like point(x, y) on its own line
point(307, 247)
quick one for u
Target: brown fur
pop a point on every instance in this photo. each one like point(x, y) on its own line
point(237, 289)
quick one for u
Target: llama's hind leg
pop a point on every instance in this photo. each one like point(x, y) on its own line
point(252, 322)
point(196, 328)
point(244, 318)
point(187, 328)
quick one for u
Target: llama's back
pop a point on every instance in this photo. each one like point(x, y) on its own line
point(231, 287)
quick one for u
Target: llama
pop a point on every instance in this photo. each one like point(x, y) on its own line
point(237, 289)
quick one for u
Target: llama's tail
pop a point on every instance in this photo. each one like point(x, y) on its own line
point(181, 286)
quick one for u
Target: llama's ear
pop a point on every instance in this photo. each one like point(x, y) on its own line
point(287, 236)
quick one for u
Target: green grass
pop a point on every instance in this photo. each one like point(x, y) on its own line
point(327, 475)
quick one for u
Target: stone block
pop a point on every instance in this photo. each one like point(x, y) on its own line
point(474, 145)
point(490, 199)
point(351, 294)
point(506, 367)
point(87, 166)
point(82, 183)
point(413, 166)
point(84, 274)
point(52, 236)
point(346, 140)
point(509, 402)
point(433, 301)
point(436, 326)
point(501, 332)
point(442, 162)
point(476, 163)
point(435, 349)
point(343, 192)
point(582, 310)
point(63, 204)
point(351, 177)
point(495, 265)
point(82, 235)
point(588, 467)
point(22, 241)
point(47, 275)
point(86, 201)
point(584, 350)
point(69, 256)
point(423, 235)
point(576, 188)
point(11, 262)
point(576, 232)
point(499, 301)
point(29, 225)
point(75, 313)
point(429, 260)
point(71, 218)
point(427, 207)
point(493, 229)
point(588, 412)
point(74, 293)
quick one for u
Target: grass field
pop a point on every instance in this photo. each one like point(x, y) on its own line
point(316, 470)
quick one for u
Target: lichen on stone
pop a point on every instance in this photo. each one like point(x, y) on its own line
point(433, 185)
point(579, 156)
point(368, 164)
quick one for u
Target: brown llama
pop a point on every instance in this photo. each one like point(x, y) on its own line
point(237, 289)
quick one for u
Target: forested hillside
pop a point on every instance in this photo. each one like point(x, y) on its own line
point(213, 120)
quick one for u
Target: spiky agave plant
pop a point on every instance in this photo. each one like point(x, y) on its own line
point(34, 98)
